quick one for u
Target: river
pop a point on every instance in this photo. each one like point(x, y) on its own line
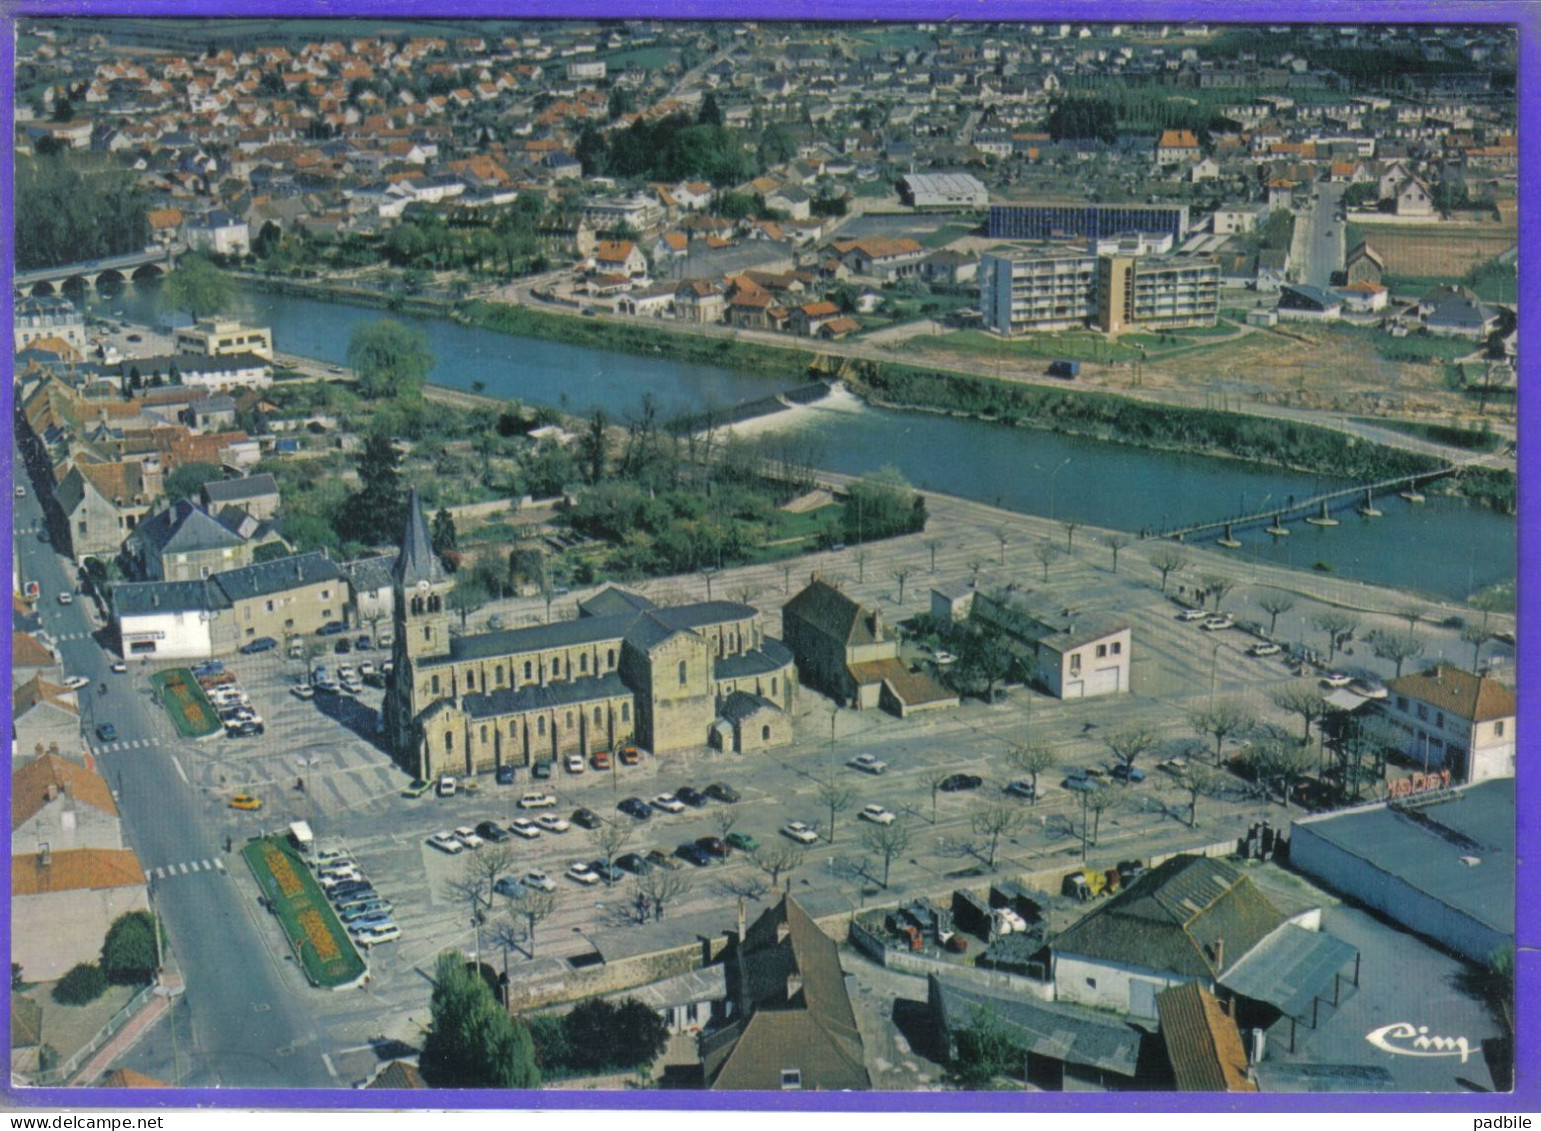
point(1446, 547)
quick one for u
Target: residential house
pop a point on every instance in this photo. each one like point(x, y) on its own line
point(1364, 265)
point(1413, 198)
point(185, 543)
point(60, 804)
point(699, 301)
point(1303, 302)
point(1363, 297)
point(1177, 147)
point(370, 584)
point(1234, 219)
point(256, 495)
point(208, 414)
point(1203, 1045)
point(167, 619)
point(1072, 655)
point(808, 319)
point(949, 268)
point(619, 257)
point(103, 503)
point(794, 1028)
point(1455, 721)
point(881, 257)
point(1270, 270)
point(1456, 312)
point(292, 596)
point(62, 904)
point(45, 718)
point(654, 301)
point(219, 233)
point(227, 371)
point(789, 200)
point(224, 337)
point(46, 318)
point(31, 658)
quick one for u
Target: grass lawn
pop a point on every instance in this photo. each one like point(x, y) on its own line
point(1440, 434)
point(325, 951)
point(190, 710)
point(1070, 346)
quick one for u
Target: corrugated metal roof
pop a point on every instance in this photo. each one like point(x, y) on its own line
point(1288, 968)
point(1202, 1041)
point(1070, 1033)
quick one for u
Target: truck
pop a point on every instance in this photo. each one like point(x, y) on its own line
point(1067, 369)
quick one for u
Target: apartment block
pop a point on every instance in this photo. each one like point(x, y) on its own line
point(1085, 221)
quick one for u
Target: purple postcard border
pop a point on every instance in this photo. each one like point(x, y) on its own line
point(1523, 14)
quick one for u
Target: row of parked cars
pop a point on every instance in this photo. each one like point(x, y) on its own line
point(684, 797)
point(223, 690)
point(363, 911)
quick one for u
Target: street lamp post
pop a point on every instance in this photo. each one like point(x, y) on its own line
point(1053, 476)
point(1214, 669)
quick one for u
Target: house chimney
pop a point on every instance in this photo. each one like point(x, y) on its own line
point(740, 920)
point(1220, 953)
point(44, 855)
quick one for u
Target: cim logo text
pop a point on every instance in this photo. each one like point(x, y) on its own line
point(1405, 1039)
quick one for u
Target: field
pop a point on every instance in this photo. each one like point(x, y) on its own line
point(190, 710)
point(1432, 251)
point(318, 938)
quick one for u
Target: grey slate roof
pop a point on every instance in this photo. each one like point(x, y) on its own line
point(276, 576)
point(369, 575)
point(417, 561)
point(612, 601)
point(563, 634)
point(1289, 968)
point(1058, 1030)
point(742, 705)
point(185, 527)
point(772, 655)
point(137, 598)
point(511, 701)
point(223, 491)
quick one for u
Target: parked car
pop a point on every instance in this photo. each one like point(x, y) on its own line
point(538, 880)
point(507, 885)
point(417, 787)
point(366, 669)
point(579, 872)
point(505, 775)
point(446, 842)
point(694, 854)
point(119, 666)
point(742, 841)
point(635, 863)
point(1217, 623)
point(540, 770)
point(537, 801)
point(1267, 649)
point(1081, 781)
point(525, 827)
point(384, 934)
point(446, 786)
point(352, 892)
point(724, 793)
point(1369, 688)
point(331, 628)
point(586, 819)
point(668, 803)
point(303, 691)
point(342, 647)
point(492, 832)
point(714, 846)
point(607, 872)
point(358, 909)
point(247, 729)
point(361, 644)
point(691, 796)
point(867, 764)
point(76, 682)
point(600, 759)
point(955, 783)
point(1130, 775)
point(1024, 789)
point(552, 823)
point(246, 801)
point(1193, 614)
point(943, 658)
point(261, 644)
point(66, 598)
point(575, 764)
point(636, 807)
point(1337, 679)
point(800, 832)
point(876, 814)
point(629, 755)
point(661, 859)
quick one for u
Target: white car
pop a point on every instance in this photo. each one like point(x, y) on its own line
point(539, 880)
point(1368, 689)
point(75, 682)
point(353, 687)
point(383, 934)
point(552, 823)
point(366, 668)
point(1337, 679)
point(523, 826)
point(945, 658)
point(446, 786)
point(303, 691)
point(537, 801)
point(668, 803)
point(867, 764)
point(120, 666)
point(1193, 614)
point(466, 835)
point(66, 598)
point(446, 842)
point(877, 815)
point(575, 764)
point(582, 873)
point(1217, 623)
point(1264, 650)
point(346, 673)
point(798, 831)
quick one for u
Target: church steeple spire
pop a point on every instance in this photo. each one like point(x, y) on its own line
point(417, 561)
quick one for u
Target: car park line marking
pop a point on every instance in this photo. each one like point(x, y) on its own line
point(181, 773)
point(326, 1060)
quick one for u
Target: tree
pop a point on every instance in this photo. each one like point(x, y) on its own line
point(1097, 802)
point(82, 984)
point(472, 1041)
point(1476, 636)
point(776, 860)
point(1115, 542)
point(377, 512)
point(1198, 780)
point(886, 842)
point(1281, 763)
point(1128, 744)
point(724, 820)
point(1046, 554)
point(994, 821)
point(1070, 528)
point(604, 1034)
point(1218, 585)
point(466, 597)
point(129, 953)
point(901, 574)
point(533, 907)
point(710, 114)
point(197, 288)
point(1339, 627)
point(1031, 760)
point(1166, 561)
point(390, 360)
point(933, 545)
point(1220, 721)
point(1274, 604)
point(594, 445)
point(188, 479)
point(881, 505)
point(984, 658)
point(478, 872)
point(1301, 698)
point(986, 1051)
point(443, 535)
point(609, 840)
point(662, 886)
point(861, 557)
point(621, 102)
point(1003, 538)
point(837, 799)
point(1398, 647)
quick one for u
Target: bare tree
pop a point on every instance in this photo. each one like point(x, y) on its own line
point(994, 821)
point(479, 870)
point(706, 575)
point(1220, 721)
point(1098, 802)
point(786, 577)
point(661, 886)
point(723, 820)
point(1218, 585)
point(901, 574)
point(936, 789)
point(974, 566)
point(1046, 554)
point(1003, 537)
point(1167, 560)
point(1339, 627)
point(1198, 780)
point(777, 860)
point(1398, 647)
point(746, 593)
point(1031, 760)
point(886, 842)
point(1412, 614)
point(837, 799)
point(1476, 636)
point(933, 545)
point(1281, 763)
point(1130, 743)
point(1274, 604)
point(531, 907)
point(608, 840)
point(1070, 528)
point(861, 558)
point(1301, 698)
point(1115, 542)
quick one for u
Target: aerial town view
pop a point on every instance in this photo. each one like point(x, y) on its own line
point(763, 557)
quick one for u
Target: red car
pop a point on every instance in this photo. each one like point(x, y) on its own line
point(714, 846)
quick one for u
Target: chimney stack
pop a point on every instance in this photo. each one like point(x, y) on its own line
point(740, 920)
point(1220, 954)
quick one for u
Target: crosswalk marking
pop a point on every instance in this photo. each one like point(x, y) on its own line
point(160, 873)
point(189, 867)
point(183, 868)
point(219, 865)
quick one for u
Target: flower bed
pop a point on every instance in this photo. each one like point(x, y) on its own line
point(317, 937)
point(190, 710)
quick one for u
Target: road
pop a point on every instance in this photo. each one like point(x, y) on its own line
point(240, 1011)
point(1319, 242)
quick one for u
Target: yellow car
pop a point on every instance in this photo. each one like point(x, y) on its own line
point(245, 801)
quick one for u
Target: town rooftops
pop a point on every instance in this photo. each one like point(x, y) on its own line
point(772, 655)
point(222, 491)
point(1202, 1041)
point(77, 869)
point(48, 777)
point(27, 651)
point(371, 575)
point(276, 576)
point(832, 613)
point(185, 527)
point(148, 598)
point(1456, 692)
point(562, 693)
point(38, 690)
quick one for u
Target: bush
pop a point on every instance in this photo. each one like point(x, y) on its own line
point(128, 953)
point(81, 986)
